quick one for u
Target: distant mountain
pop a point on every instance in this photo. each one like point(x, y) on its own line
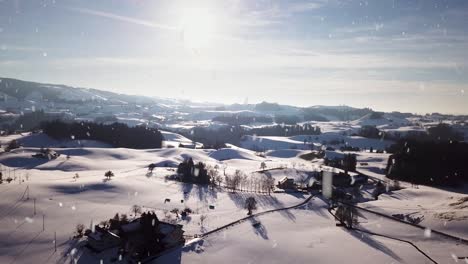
point(24, 90)
point(18, 96)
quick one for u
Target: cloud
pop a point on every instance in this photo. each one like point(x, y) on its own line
point(122, 18)
point(273, 13)
point(304, 7)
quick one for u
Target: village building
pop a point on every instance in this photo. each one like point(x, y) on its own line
point(141, 239)
point(286, 183)
point(46, 154)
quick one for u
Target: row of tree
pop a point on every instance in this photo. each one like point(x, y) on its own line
point(29, 121)
point(285, 130)
point(199, 173)
point(217, 138)
point(116, 134)
point(240, 181)
point(242, 119)
point(440, 132)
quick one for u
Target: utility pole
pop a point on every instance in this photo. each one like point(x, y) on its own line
point(27, 197)
point(55, 241)
point(43, 222)
point(34, 206)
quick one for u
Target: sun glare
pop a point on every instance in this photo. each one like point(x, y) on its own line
point(198, 27)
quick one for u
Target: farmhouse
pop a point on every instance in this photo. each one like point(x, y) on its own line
point(286, 183)
point(141, 239)
point(46, 154)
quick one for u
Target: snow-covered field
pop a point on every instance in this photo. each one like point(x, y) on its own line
point(58, 201)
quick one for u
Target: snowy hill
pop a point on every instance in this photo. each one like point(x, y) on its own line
point(384, 121)
point(302, 233)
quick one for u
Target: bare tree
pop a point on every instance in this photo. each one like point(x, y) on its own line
point(136, 209)
point(302, 180)
point(269, 184)
point(79, 230)
point(218, 179)
point(245, 182)
point(202, 222)
point(347, 215)
point(237, 178)
point(224, 169)
point(250, 205)
point(213, 174)
point(228, 180)
point(263, 166)
point(262, 185)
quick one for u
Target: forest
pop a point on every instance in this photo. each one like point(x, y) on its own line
point(117, 134)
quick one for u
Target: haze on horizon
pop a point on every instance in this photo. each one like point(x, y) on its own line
point(388, 55)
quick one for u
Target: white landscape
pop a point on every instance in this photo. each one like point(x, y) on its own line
point(41, 207)
point(233, 132)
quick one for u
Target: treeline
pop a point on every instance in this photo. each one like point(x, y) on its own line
point(285, 130)
point(287, 119)
point(116, 134)
point(441, 163)
point(343, 113)
point(242, 120)
point(217, 138)
point(440, 132)
point(29, 121)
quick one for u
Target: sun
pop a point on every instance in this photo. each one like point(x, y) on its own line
point(198, 27)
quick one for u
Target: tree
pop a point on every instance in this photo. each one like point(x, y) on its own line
point(202, 222)
point(12, 145)
point(213, 175)
point(379, 189)
point(136, 209)
point(236, 180)
point(349, 162)
point(303, 179)
point(109, 175)
point(218, 179)
point(347, 215)
point(79, 230)
point(269, 184)
point(444, 132)
point(250, 205)
point(124, 219)
point(229, 182)
point(151, 167)
point(263, 165)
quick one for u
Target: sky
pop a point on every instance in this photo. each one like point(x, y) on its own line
point(392, 55)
